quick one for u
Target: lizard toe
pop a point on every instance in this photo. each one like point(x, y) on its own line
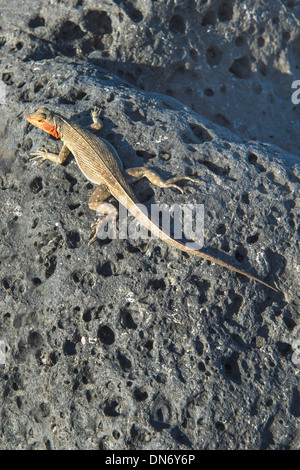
point(92, 236)
point(176, 187)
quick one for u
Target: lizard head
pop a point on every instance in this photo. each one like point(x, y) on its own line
point(44, 119)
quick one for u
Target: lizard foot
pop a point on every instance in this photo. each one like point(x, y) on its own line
point(39, 155)
point(105, 227)
point(93, 233)
point(43, 155)
point(95, 116)
point(170, 182)
point(96, 226)
point(96, 112)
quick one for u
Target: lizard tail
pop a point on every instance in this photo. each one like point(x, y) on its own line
point(142, 218)
point(213, 259)
point(128, 202)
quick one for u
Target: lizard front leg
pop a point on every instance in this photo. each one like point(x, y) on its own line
point(141, 172)
point(43, 155)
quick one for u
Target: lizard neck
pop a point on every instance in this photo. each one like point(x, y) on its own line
point(59, 127)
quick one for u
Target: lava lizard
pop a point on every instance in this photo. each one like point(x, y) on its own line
point(100, 163)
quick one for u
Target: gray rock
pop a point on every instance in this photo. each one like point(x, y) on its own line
point(131, 344)
point(233, 62)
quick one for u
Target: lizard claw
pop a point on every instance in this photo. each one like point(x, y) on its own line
point(96, 111)
point(175, 186)
point(93, 232)
point(170, 182)
point(95, 115)
point(98, 227)
point(194, 180)
point(40, 154)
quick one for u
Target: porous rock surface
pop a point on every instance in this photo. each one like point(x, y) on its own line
point(131, 344)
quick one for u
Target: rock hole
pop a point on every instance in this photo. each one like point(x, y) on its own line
point(260, 41)
point(200, 133)
point(36, 281)
point(106, 335)
point(216, 169)
point(7, 78)
point(110, 409)
point(240, 254)
point(241, 68)
point(140, 394)
point(35, 340)
point(71, 180)
point(73, 238)
point(127, 319)
point(209, 18)
point(36, 185)
point(219, 426)
point(235, 303)
point(36, 22)
point(222, 120)
point(177, 25)
point(209, 92)
point(87, 316)
point(239, 41)
point(284, 348)
point(97, 21)
point(252, 158)
point(106, 269)
point(69, 348)
point(134, 14)
point(50, 266)
point(221, 229)
point(180, 437)
point(253, 238)
point(70, 31)
point(157, 284)
point(145, 154)
point(231, 368)
point(124, 362)
point(225, 11)
point(245, 198)
point(214, 55)
point(72, 207)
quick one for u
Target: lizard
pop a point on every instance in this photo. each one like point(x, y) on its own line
point(101, 165)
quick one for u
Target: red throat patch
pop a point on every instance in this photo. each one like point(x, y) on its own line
point(51, 129)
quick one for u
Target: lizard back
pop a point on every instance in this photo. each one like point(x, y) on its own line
point(96, 158)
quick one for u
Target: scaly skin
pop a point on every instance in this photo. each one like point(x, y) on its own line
point(100, 163)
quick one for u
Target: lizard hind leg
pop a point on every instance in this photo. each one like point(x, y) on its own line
point(141, 172)
point(108, 212)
